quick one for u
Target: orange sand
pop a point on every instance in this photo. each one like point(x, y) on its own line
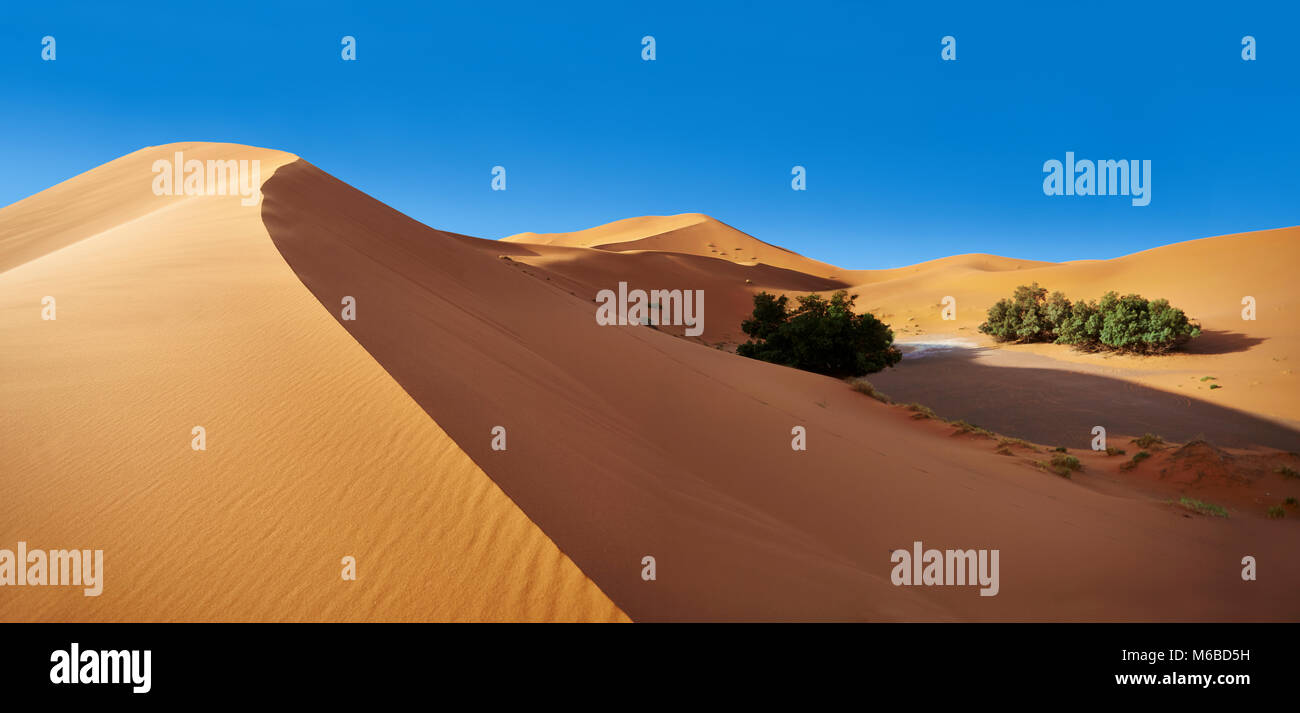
point(175, 312)
point(372, 437)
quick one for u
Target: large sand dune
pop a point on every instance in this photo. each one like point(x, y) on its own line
point(183, 314)
point(373, 437)
point(628, 442)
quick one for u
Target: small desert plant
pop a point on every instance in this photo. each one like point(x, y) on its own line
point(1286, 472)
point(1148, 440)
point(1202, 507)
point(1276, 512)
point(1063, 465)
point(963, 427)
point(920, 412)
point(1292, 501)
point(1137, 458)
point(1113, 451)
point(863, 386)
point(1060, 449)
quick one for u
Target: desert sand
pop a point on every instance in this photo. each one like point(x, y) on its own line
point(374, 436)
point(178, 311)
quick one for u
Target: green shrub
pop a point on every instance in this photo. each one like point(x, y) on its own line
point(1029, 316)
point(1276, 512)
point(1203, 507)
point(1130, 323)
point(1006, 442)
point(1137, 458)
point(1064, 465)
point(819, 335)
point(964, 427)
point(1292, 501)
point(920, 411)
point(1113, 451)
point(1148, 440)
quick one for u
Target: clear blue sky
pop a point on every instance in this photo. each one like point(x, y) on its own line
point(908, 157)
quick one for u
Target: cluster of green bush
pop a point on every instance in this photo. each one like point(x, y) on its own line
point(820, 335)
point(1130, 323)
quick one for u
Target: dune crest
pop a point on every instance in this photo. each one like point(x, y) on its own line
point(175, 312)
point(374, 437)
point(628, 442)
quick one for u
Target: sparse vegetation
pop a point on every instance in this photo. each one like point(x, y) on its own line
point(863, 386)
point(1064, 465)
point(1276, 512)
point(819, 335)
point(1292, 501)
point(1148, 441)
point(1202, 507)
point(963, 427)
point(1137, 458)
point(1286, 471)
point(1007, 443)
point(1113, 451)
point(1130, 323)
point(920, 411)
point(1060, 449)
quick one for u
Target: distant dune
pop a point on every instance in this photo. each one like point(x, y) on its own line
point(373, 436)
point(685, 234)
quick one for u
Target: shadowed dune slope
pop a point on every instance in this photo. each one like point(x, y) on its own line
point(176, 312)
point(626, 442)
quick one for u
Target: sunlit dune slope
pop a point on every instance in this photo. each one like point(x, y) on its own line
point(179, 312)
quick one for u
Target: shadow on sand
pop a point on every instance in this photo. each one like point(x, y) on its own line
point(1055, 407)
point(1221, 342)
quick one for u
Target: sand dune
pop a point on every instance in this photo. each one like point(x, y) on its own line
point(628, 442)
point(686, 234)
point(1254, 362)
point(373, 436)
point(182, 313)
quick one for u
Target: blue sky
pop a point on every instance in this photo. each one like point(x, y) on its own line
point(908, 157)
